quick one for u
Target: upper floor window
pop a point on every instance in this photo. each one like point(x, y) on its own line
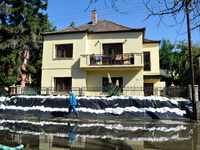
point(64, 51)
point(112, 49)
point(147, 62)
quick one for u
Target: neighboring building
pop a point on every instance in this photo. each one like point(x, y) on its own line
point(66, 58)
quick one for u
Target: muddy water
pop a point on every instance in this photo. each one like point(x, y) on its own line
point(63, 134)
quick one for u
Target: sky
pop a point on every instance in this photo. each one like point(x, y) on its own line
point(133, 14)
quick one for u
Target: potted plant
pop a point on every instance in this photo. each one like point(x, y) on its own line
point(92, 59)
point(132, 58)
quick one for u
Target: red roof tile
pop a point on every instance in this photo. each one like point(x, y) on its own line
point(100, 27)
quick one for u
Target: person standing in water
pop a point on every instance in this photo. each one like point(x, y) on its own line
point(72, 103)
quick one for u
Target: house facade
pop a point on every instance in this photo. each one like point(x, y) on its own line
point(81, 58)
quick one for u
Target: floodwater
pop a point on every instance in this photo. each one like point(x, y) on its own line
point(89, 134)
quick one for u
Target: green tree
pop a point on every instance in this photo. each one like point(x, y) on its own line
point(175, 60)
point(182, 63)
point(166, 56)
point(21, 25)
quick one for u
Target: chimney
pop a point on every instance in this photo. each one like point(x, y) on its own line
point(94, 17)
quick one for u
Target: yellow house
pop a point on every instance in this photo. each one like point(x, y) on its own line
point(81, 58)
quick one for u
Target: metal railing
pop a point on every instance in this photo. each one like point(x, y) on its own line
point(99, 91)
point(117, 59)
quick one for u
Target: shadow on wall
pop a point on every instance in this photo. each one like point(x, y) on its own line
point(76, 72)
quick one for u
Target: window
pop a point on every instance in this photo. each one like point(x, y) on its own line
point(147, 62)
point(64, 51)
point(63, 84)
point(114, 80)
point(112, 49)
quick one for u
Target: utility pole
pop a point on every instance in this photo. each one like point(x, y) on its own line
point(191, 61)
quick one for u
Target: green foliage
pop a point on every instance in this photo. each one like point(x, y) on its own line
point(169, 79)
point(166, 56)
point(92, 56)
point(3, 92)
point(113, 90)
point(175, 60)
point(132, 55)
point(30, 91)
point(21, 25)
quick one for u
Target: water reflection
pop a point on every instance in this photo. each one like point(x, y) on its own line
point(72, 136)
point(84, 135)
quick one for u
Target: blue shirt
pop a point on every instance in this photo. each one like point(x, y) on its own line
point(72, 100)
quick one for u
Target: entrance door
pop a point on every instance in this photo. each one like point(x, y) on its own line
point(148, 89)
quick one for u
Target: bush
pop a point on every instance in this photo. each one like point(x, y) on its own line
point(3, 92)
point(113, 90)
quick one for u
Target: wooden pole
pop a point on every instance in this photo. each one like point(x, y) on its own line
point(191, 62)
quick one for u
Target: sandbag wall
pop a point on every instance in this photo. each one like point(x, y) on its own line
point(116, 106)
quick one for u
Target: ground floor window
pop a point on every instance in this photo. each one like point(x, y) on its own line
point(63, 84)
point(115, 80)
point(148, 89)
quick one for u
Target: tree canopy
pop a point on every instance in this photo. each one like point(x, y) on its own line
point(174, 59)
point(21, 25)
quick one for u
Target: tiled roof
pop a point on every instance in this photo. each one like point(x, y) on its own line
point(101, 26)
point(151, 41)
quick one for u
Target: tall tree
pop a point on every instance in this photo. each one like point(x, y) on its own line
point(174, 58)
point(166, 56)
point(182, 67)
point(21, 25)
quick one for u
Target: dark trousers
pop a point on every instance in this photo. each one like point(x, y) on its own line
point(72, 107)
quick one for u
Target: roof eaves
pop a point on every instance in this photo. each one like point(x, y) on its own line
point(151, 41)
point(91, 32)
point(128, 30)
point(63, 32)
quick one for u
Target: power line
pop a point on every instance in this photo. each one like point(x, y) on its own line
point(89, 12)
point(77, 17)
point(82, 19)
point(179, 29)
point(101, 15)
point(128, 10)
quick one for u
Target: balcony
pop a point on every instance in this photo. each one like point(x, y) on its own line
point(126, 61)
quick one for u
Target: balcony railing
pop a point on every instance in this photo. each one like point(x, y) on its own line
point(134, 59)
point(111, 59)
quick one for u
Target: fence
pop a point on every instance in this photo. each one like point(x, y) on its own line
point(100, 91)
